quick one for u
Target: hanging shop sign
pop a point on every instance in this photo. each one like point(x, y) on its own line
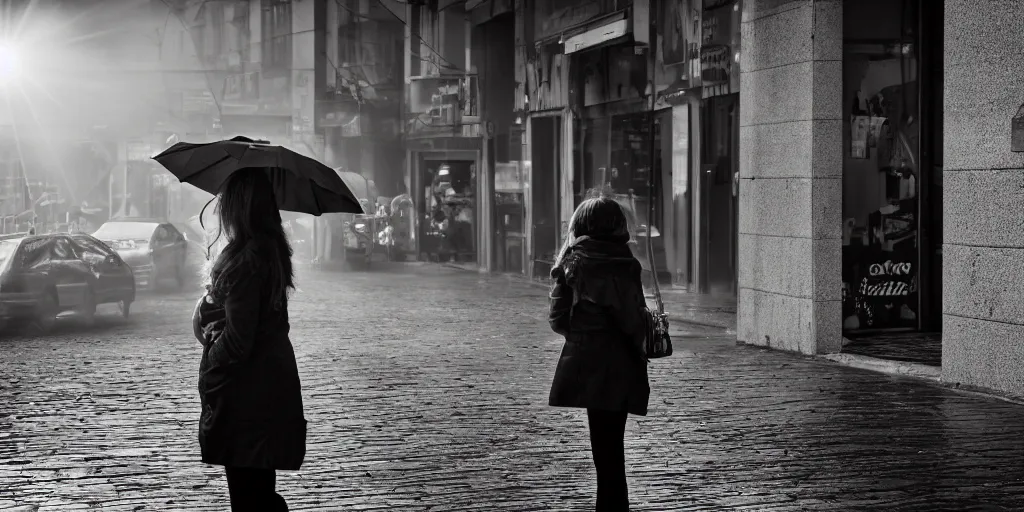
point(597, 36)
point(720, 46)
point(715, 65)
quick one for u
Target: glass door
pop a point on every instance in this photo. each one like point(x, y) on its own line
point(544, 189)
point(892, 90)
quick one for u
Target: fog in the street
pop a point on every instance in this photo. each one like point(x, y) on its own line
point(789, 231)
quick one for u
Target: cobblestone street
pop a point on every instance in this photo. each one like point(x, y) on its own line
point(427, 390)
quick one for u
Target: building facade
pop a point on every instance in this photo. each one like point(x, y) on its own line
point(446, 166)
point(879, 180)
point(638, 100)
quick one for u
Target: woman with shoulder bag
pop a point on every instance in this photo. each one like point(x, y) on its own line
point(597, 304)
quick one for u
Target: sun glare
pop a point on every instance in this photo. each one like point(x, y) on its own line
point(9, 65)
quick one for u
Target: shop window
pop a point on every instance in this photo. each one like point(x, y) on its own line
point(448, 212)
point(614, 160)
point(881, 174)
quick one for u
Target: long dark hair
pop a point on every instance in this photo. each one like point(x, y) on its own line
point(249, 217)
point(600, 218)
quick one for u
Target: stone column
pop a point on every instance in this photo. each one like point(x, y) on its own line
point(790, 233)
point(983, 185)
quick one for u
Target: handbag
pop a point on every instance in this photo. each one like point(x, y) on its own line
point(658, 343)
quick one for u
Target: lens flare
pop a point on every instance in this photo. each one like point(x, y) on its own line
point(9, 65)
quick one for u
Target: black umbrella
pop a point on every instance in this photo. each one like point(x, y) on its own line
point(301, 184)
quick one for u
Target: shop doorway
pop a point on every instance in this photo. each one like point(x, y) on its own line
point(892, 179)
point(446, 208)
point(545, 230)
point(719, 188)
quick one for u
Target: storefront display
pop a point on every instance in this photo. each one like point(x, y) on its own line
point(881, 184)
point(447, 215)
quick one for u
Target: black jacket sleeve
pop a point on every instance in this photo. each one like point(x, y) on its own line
point(560, 300)
point(242, 314)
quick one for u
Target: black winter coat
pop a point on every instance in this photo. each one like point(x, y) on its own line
point(597, 303)
point(248, 381)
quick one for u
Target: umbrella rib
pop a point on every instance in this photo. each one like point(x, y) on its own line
point(316, 200)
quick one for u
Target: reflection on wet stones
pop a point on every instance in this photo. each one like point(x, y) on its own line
point(443, 407)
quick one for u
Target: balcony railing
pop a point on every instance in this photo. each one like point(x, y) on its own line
point(444, 105)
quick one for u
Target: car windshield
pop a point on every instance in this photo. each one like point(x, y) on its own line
point(7, 248)
point(126, 231)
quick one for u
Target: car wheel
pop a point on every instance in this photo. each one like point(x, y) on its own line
point(125, 307)
point(87, 311)
point(46, 313)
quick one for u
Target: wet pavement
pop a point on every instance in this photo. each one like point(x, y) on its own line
point(427, 390)
point(912, 347)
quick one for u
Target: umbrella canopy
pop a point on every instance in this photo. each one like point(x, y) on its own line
point(301, 184)
point(364, 189)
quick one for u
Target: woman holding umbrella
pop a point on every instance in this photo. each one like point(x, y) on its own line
point(252, 421)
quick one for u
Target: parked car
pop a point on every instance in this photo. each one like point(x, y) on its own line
point(42, 276)
point(156, 250)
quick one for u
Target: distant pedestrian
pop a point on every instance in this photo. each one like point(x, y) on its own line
point(252, 420)
point(597, 304)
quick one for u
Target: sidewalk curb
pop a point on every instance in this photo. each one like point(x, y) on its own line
point(931, 374)
point(898, 368)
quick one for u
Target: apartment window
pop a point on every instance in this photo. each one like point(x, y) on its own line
point(277, 34)
point(240, 23)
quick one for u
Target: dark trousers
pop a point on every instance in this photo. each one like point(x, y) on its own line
point(607, 431)
point(253, 489)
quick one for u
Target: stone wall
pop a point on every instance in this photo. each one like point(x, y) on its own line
point(983, 185)
point(791, 175)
